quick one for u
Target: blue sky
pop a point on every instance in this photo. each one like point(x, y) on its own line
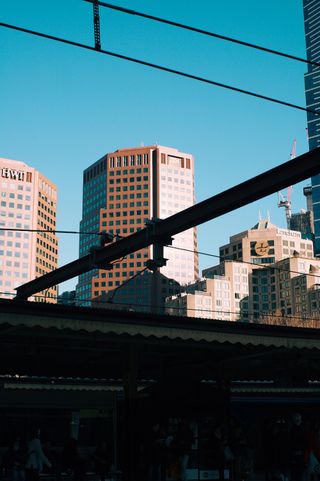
point(62, 108)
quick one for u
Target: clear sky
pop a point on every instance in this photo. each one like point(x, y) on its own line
point(62, 108)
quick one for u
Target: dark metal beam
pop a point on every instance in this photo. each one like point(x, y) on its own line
point(267, 183)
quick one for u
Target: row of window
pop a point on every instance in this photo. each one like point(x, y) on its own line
point(10, 253)
point(13, 205)
point(125, 205)
point(125, 213)
point(24, 245)
point(126, 160)
point(124, 188)
point(125, 180)
point(125, 222)
point(112, 173)
point(5, 185)
point(15, 264)
point(11, 195)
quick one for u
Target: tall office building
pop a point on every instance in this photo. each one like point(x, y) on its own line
point(312, 87)
point(121, 193)
point(28, 201)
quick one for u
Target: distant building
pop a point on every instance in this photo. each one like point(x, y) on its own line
point(312, 89)
point(290, 289)
point(121, 193)
point(28, 202)
point(220, 294)
point(267, 267)
point(265, 244)
point(303, 221)
point(67, 298)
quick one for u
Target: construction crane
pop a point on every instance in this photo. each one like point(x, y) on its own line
point(285, 200)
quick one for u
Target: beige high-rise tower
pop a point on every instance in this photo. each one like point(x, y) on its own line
point(28, 203)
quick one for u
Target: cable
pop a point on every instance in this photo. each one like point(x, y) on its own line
point(203, 32)
point(216, 256)
point(227, 258)
point(53, 231)
point(162, 68)
point(224, 258)
point(249, 314)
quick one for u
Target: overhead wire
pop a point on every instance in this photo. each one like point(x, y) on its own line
point(177, 308)
point(260, 266)
point(216, 256)
point(203, 32)
point(162, 68)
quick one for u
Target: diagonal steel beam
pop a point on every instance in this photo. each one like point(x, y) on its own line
point(268, 182)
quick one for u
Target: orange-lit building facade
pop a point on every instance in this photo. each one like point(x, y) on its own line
point(138, 184)
point(28, 205)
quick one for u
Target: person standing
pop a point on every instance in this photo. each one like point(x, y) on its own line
point(36, 458)
point(298, 448)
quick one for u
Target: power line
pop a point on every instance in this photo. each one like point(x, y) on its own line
point(216, 256)
point(203, 32)
point(179, 308)
point(53, 231)
point(260, 266)
point(162, 68)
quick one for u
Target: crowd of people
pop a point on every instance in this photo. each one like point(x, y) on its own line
point(288, 449)
point(25, 460)
point(169, 451)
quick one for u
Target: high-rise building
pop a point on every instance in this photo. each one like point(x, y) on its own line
point(28, 202)
point(312, 87)
point(121, 193)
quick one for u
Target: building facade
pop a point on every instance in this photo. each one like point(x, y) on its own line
point(289, 289)
point(221, 294)
point(28, 203)
point(131, 187)
point(265, 272)
point(311, 10)
point(265, 244)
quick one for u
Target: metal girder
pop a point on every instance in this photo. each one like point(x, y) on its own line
point(268, 182)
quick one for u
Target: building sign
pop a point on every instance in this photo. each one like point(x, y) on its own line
point(289, 233)
point(14, 174)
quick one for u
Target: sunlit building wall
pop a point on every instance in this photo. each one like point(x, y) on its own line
point(28, 203)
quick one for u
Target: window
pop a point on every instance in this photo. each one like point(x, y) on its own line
point(131, 159)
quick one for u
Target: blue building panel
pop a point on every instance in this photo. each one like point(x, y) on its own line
point(311, 10)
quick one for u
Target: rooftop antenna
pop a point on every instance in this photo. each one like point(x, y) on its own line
point(285, 200)
point(260, 218)
point(268, 215)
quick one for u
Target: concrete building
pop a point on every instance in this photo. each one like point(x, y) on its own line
point(265, 244)
point(28, 202)
point(287, 289)
point(257, 280)
point(220, 294)
point(311, 9)
point(122, 192)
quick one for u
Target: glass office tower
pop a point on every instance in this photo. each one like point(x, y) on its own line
point(312, 88)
